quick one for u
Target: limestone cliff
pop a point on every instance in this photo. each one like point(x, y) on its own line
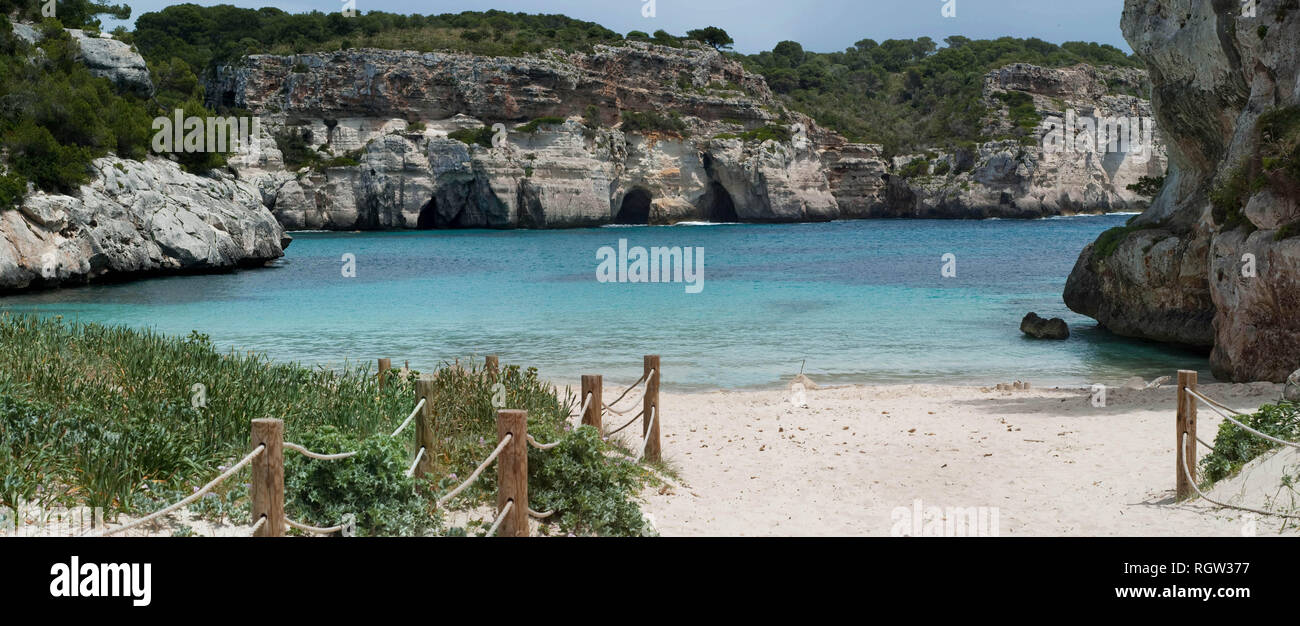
point(1213, 262)
point(133, 217)
point(728, 152)
point(1026, 178)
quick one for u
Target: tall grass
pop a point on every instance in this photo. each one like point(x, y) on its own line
point(104, 416)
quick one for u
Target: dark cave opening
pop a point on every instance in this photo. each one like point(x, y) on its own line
point(428, 219)
point(720, 207)
point(635, 209)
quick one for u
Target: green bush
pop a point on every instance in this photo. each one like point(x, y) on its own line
point(1234, 447)
point(915, 168)
point(535, 125)
point(587, 489)
point(473, 136)
point(371, 486)
point(654, 122)
point(1147, 186)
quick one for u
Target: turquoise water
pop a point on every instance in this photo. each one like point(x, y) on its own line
point(861, 301)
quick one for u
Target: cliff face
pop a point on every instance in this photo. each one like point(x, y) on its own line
point(397, 109)
point(136, 217)
point(1212, 262)
point(1015, 179)
point(133, 217)
point(735, 153)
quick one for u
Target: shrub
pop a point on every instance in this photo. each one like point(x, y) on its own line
point(653, 121)
point(1234, 447)
point(372, 485)
point(473, 136)
point(917, 167)
point(1147, 186)
point(535, 125)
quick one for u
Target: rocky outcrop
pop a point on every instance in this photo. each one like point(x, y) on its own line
point(723, 148)
point(1013, 178)
point(114, 60)
point(136, 218)
point(1212, 262)
point(395, 113)
point(1040, 328)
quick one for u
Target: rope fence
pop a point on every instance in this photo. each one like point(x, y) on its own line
point(1186, 484)
point(478, 471)
point(266, 493)
point(314, 529)
point(313, 455)
point(192, 497)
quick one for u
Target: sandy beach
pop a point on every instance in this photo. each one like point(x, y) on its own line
point(753, 464)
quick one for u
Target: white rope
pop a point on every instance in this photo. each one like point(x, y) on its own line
point(500, 518)
point(644, 377)
point(541, 446)
point(261, 521)
point(1188, 474)
point(315, 455)
point(649, 430)
point(536, 515)
point(313, 529)
point(194, 496)
point(473, 477)
point(410, 417)
point(418, 456)
point(1239, 424)
point(629, 423)
point(585, 403)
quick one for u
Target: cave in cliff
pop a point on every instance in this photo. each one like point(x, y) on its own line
point(428, 219)
point(718, 206)
point(635, 208)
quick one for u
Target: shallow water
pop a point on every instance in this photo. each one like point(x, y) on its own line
point(861, 301)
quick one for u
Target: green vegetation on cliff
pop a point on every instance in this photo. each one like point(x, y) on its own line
point(910, 94)
point(904, 94)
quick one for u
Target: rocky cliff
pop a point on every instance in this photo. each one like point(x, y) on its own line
point(133, 217)
point(1033, 176)
point(710, 143)
point(1213, 262)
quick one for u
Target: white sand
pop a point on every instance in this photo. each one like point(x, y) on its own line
point(1049, 461)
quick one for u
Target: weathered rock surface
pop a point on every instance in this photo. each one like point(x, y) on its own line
point(1006, 178)
point(1179, 274)
point(588, 170)
point(132, 218)
point(1040, 328)
point(114, 60)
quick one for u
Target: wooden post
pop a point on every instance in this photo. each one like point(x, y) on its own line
point(512, 472)
point(424, 426)
point(649, 430)
point(492, 366)
point(268, 477)
point(591, 384)
point(1186, 446)
point(384, 366)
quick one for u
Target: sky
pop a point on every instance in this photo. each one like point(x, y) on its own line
point(757, 25)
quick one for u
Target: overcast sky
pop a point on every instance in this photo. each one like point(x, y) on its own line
point(756, 25)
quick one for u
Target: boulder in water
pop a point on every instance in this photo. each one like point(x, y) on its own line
point(1040, 328)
